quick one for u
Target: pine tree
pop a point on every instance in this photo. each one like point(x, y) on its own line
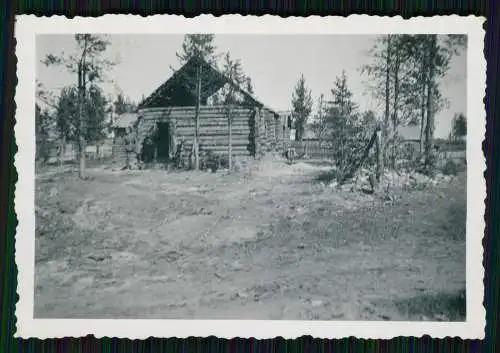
point(43, 132)
point(233, 70)
point(249, 86)
point(459, 127)
point(438, 54)
point(342, 116)
point(201, 48)
point(404, 74)
point(123, 104)
point(96, 112)
point(320, 122)
point(68, 113)
point(90, 66)
point(198, 45)
point(302, 106)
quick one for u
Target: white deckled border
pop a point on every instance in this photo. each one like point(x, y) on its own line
point(26, 29)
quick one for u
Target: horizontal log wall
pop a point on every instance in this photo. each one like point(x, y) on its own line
point(119, 150)
point(254, 131)
point(213, 127)
point(266, 132)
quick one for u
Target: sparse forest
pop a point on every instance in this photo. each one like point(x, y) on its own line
point(403, 74)
point(90, 67)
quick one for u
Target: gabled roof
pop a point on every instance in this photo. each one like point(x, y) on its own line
point(180, 88)
point(125, 120)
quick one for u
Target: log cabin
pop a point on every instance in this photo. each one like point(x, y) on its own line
point(166, 119)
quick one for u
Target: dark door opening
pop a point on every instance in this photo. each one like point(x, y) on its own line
point(163, 141)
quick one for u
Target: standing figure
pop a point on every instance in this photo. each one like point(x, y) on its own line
point(130, 148)
point(178, 160)
point(290, 154)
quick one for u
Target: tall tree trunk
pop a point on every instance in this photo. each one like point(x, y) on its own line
point(395, 107)
point(296, 133)
point(380, 158)
point(423, 97)
point(357, 164)
point(62, 152)
point(342, 147)
point(322, 128)
point(396, 86)
point(81, 130)
point(429, 129)
point(422, 118)
point(197, 118)
point(387, 107)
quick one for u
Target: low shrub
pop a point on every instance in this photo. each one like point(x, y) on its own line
point(450, 167)
point(224, 161)
point(209, 161)
point(212, 161)
point(328, 176)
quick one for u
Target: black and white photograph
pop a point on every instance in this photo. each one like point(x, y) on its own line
point(218, 176)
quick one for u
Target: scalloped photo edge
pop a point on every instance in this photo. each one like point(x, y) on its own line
point(27, 27)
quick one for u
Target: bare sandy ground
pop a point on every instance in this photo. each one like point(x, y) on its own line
point(272, 243)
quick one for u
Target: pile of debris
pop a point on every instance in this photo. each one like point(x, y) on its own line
point(364, 180)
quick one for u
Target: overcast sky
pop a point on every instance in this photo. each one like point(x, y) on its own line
point(274, 63)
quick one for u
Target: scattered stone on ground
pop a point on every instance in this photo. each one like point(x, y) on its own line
point(394, 179)
point(182, 243)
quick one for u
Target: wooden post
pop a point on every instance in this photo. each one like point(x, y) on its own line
point(230, 143)
point(197, 117)
point(379, 168)
point(257, 137)
point(356, 165)
point(62, 152)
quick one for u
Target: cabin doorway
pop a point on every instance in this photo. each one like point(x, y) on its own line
point(163, 141)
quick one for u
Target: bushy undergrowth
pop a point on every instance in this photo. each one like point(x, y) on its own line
point(450, 167)
point(213, 162)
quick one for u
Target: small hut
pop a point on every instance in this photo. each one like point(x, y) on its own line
point(183, 109)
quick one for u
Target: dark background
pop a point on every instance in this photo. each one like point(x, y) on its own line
point(8, 282)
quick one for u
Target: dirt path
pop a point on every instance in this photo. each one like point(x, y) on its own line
point(270, 244)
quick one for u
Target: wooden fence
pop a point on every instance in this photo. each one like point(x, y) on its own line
point(315, 149)
point(70, 152)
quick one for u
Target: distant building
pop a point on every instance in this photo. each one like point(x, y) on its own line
point(120, 127)
point(309, 133)
point(122, 122)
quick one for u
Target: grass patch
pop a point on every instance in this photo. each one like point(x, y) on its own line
point(327, 176)
point(442, 306)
